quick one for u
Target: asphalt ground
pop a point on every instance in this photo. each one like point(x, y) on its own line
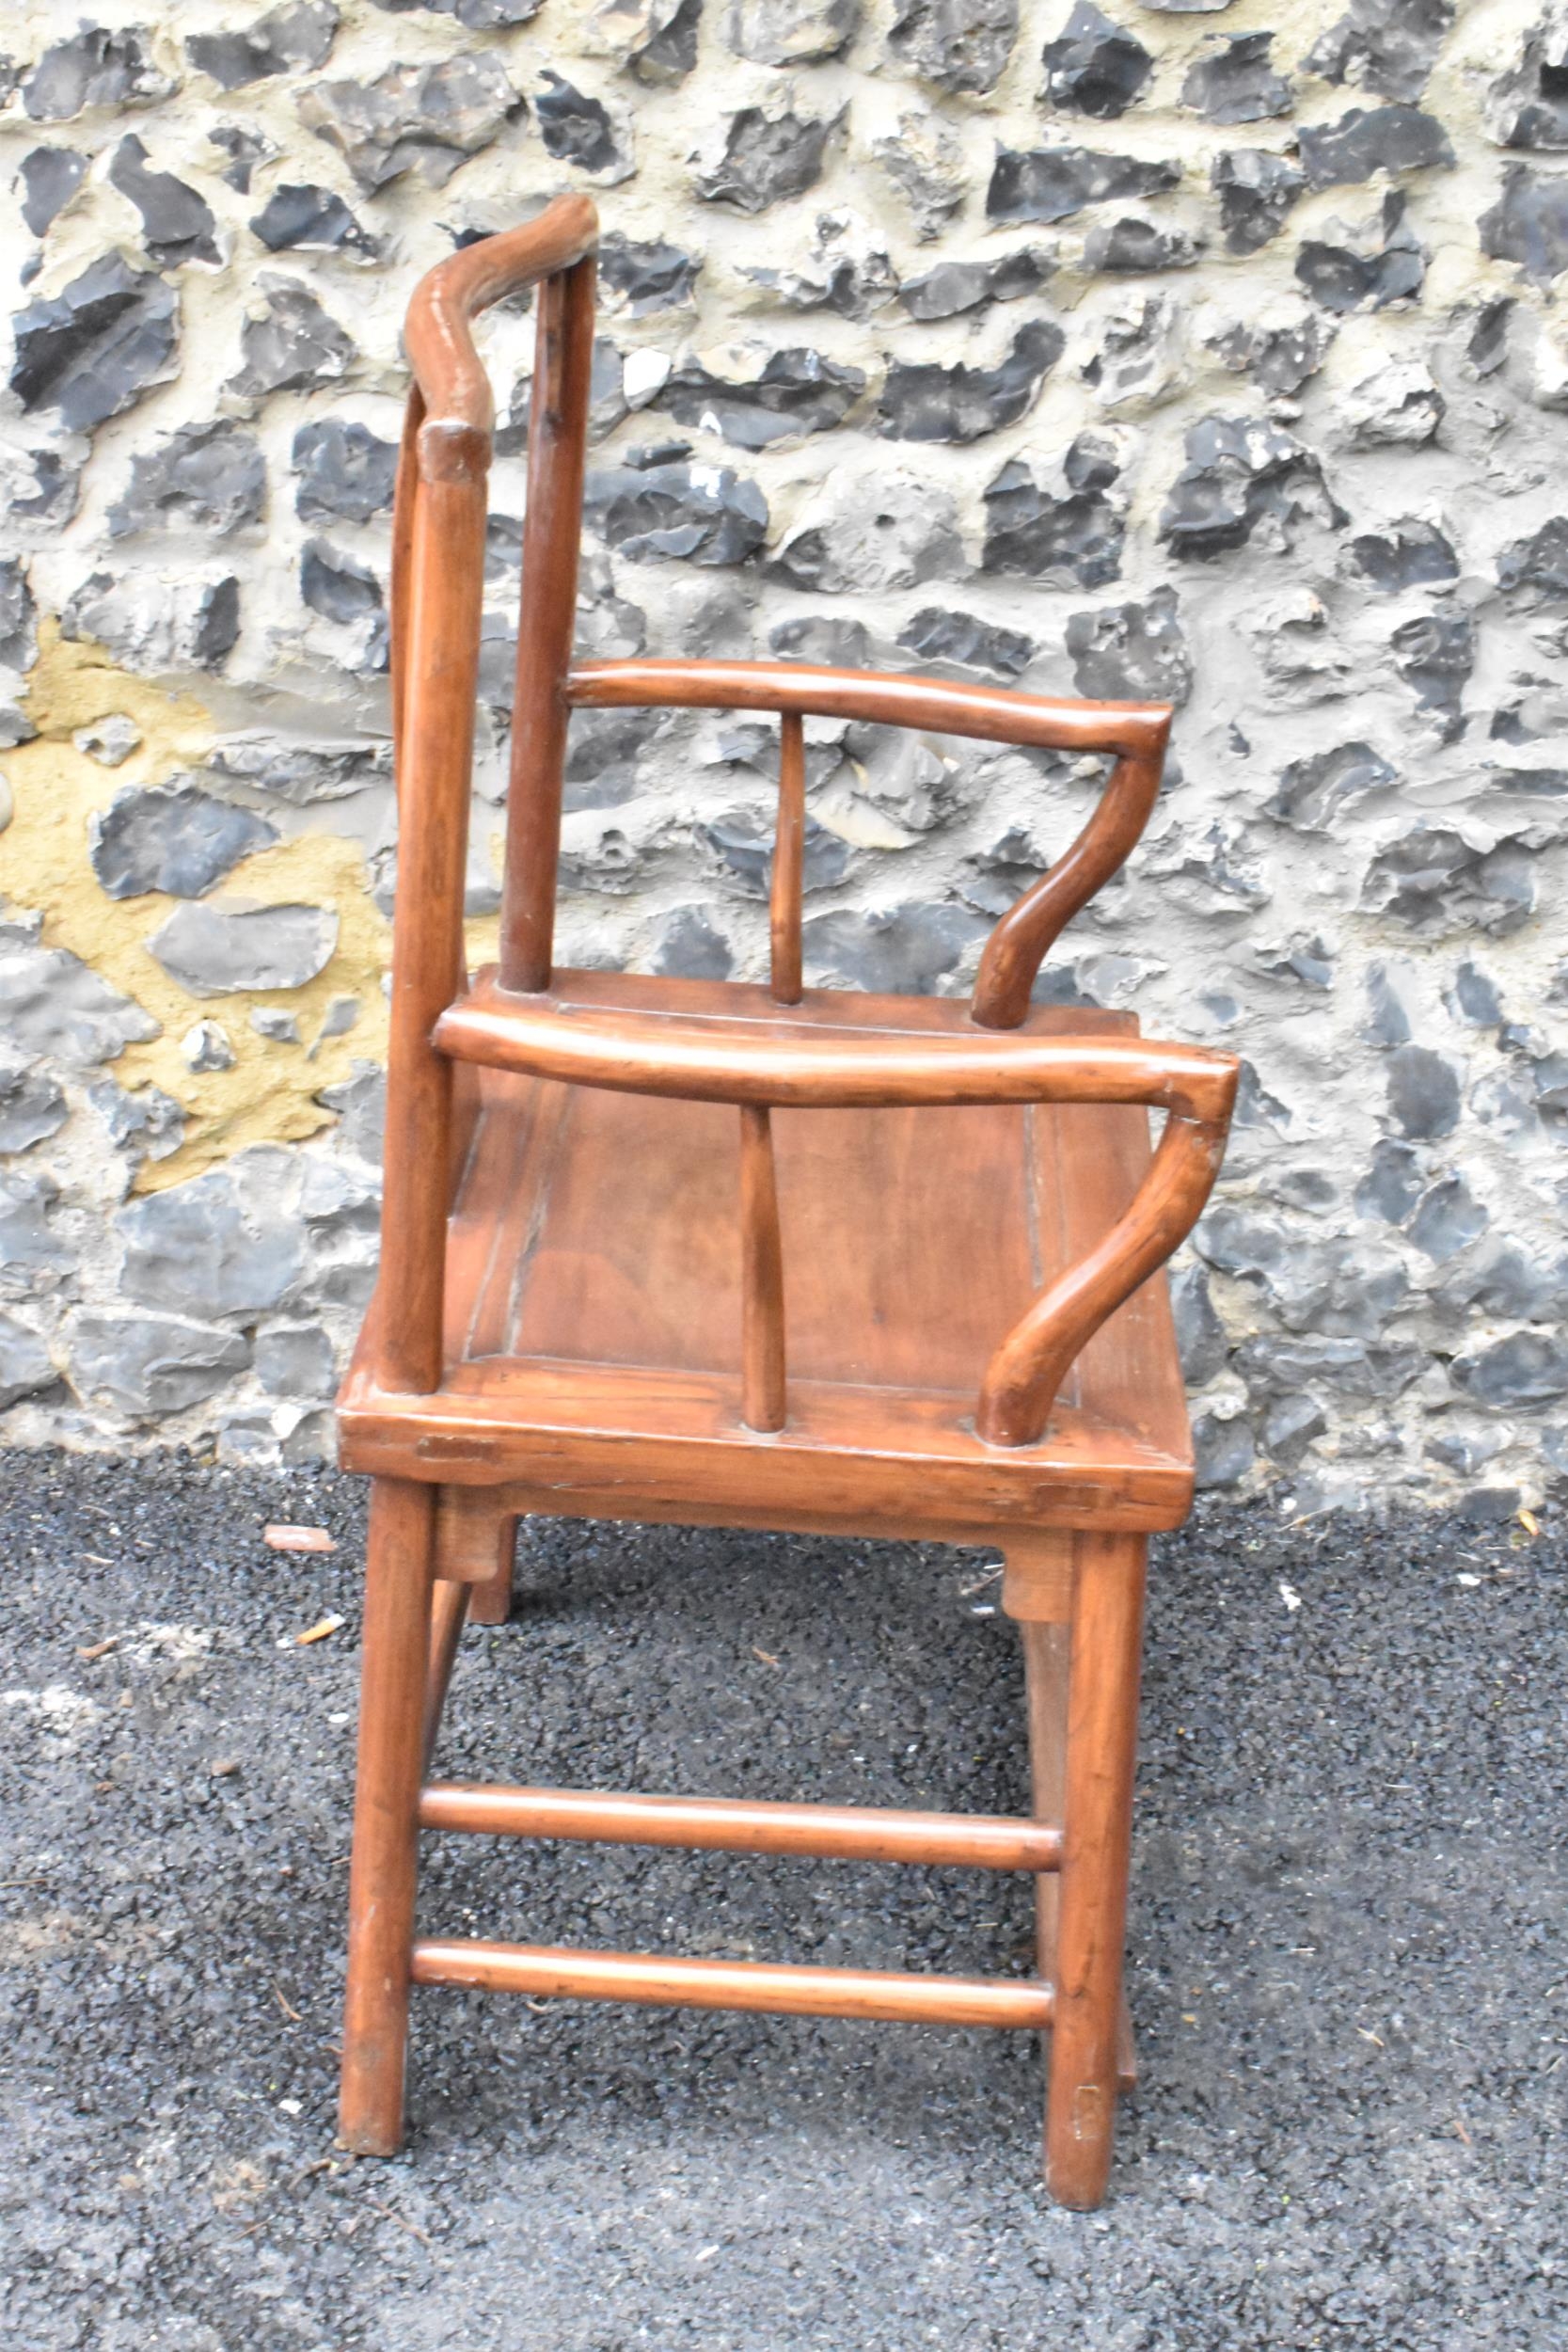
point(1346, 1965)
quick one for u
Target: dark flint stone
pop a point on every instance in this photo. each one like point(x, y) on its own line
point(50, 178)
point(18, 617)
point(606, 403)
point(294, 38)
point(670, 52)
point(1528, 107)
point(211, 476)
point(906, 950)
point(1054, 183)
point(1531, 1367)
point(1536, 569)
point(960, 44)
point(294, 345)
point(302, 217)
point(478, 16)
point(822, 637)
point(1432, 880)
point(789, 32)
point(1486, 347)
point(743, 844)
point(1394, 1008)
point(244, 150)
point(1199, 1333)
point(1476, 996)
point(1094, 67)
point(1078, 537)
point(651, 277)
point(1131, 652)
point(1255, 190)
point(93, 349)
point(333, 585)
point(765, 161)
point(94, 68)
point(576, 129)
point(347, 471)
point(645, 455)
point(1279, 358)
point(798, 391)
point(1133, 248)
point(32, 1105)
point(217, 625)
point(1368, 139)
point(1448, 1219)
point(1223, 1452)
point(927, 403)
point(1393, 1182)
point(1236, 83)
point(692, 949)
point(954, 287)
point(602, 754)
point(966, 643)
point(1377, 264)
point(1528, 224)
point(428, 118)
point(1388, 46)
point(1239, 472)
point(1412, 555)
point(704, 515)
point(177, 226)
point(1312, 792)
point(173, 839)
point(1435, 652)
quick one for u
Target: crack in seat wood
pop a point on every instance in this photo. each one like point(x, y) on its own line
point(763, 1257)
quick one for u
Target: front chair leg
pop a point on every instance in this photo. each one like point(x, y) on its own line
point(1101, 1745)
point(399, 1564)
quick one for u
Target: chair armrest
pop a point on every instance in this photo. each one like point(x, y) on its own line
point(795, 1064)
point(996, 714)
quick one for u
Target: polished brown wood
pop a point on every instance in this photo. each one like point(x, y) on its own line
point(393, 1685)
point(714, 1253)
point(789, 849)
point(448, 1614)
point(727, 1825)
point(553, 1973)
point(762, 1303)
point(558, 441)
point(1101, 1745)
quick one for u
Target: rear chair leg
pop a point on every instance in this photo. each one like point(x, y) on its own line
point(490, 1603)
point(399, 1563)
point(1096, 1823)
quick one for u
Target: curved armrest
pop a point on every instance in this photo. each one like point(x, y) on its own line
point(998, 714)
point(438, 332)
point(1027, 1370)
point(798, 1065)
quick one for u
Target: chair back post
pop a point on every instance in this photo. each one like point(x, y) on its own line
point(438, 544)
point(552, 529)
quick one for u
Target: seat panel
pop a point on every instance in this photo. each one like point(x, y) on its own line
point(594, 1295)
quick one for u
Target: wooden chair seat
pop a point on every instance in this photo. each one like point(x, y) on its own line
point(594, 1292)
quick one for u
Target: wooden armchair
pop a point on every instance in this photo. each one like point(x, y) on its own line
point(666, 1249)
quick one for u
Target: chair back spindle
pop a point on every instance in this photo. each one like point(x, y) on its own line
point(552, 528)
point(788, 861)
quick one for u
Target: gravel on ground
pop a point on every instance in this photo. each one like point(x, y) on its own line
point(1346, 1963)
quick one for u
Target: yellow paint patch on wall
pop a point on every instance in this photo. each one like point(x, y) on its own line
point(269, 1094)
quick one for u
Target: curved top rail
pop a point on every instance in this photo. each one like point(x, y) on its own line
point(999, 714)
point(796, 1065)
point(437, 330)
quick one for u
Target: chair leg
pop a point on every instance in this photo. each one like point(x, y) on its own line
point(1096, 1823)
point(490, 1603)
point(399, 1563)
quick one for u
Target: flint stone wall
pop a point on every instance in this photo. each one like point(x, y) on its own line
point(1204, 349)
